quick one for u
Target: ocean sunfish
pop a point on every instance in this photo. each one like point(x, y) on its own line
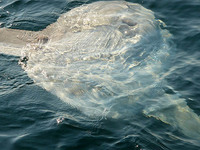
point(103, 58)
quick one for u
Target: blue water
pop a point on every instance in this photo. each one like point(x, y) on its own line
point(32, 118)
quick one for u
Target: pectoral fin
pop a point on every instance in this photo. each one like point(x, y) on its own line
point(178, 115)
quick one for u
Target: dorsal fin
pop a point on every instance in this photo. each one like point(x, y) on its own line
point(12, 41)
point(10, 49)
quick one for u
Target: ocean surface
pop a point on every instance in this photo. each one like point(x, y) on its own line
point(32, 118)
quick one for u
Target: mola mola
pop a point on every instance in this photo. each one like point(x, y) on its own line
point(105, 59)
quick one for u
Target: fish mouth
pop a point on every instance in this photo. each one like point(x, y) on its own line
point(23, 61)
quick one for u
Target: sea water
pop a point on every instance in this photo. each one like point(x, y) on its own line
point(32, 118)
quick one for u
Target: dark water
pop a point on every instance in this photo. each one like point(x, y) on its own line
point(29, 114)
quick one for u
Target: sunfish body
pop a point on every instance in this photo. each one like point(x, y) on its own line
point(103, 58)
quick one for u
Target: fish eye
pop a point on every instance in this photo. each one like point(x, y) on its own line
point(129, 22)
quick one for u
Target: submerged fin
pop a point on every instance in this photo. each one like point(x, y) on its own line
point(178, 115)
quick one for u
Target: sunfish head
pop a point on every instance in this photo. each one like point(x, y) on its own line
point(128, 18)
